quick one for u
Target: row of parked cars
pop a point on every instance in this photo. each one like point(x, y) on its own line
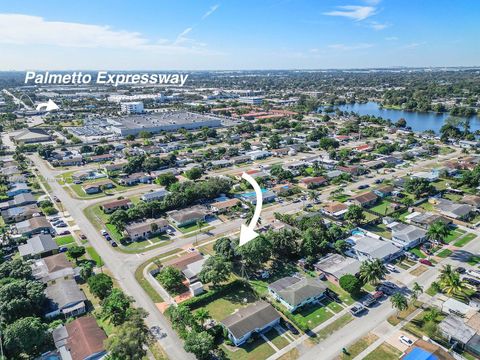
point(107, 237)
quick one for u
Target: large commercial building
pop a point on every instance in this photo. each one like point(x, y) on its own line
point(133, 107)
point(162, 121)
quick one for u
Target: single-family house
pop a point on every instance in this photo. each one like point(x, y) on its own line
point(146, 229)
point(335, 209)
point(183, 261)
point(383, 191)
point(192, 270)
point(224, 205)
point(187, 216)
point(407, 236)
point(365, 247)
point(156, 195)
point(295, 292)
point(35, 225)
point(258, 317)
point(65, 299)
point(20, 213)
point(366, 199)
point(17, 188)
point(334, 266)
point(38, 246)
point(312, 182)
point(53, 267)
point(96, 187)
point(111, 206)
point(81, 339)
point(424, 220)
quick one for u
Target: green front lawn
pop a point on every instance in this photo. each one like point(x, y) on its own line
point(384, 352)
point(444, 253)
point(255, 350)
point(454, 235)
point(359, 346)
point(64, 240)
point(474, 260)
point(342, 294)
point(278, 340)
point(418, 252)
point(331, 328)
point(465, 240)
point(312, 316)
point(94, 255)
point(192, 227)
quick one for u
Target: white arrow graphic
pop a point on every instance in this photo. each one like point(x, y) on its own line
point(247, 233)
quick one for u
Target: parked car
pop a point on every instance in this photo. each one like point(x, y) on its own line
point(64, 232)
point(108, 237)
point(104, 232)
point(291, 328)
point(61, 225)
point(425, 262)
point(364, 186)
point(471, 281)
point(62, 249)
point(114, 244)
point(405, 340)
point(82, 236)
point(378, 295)
point(411, 256)
point(460, 270)
point(369, 300)
point(474, 273)
point(357, 309)
point(378, 181)
point(390, 267)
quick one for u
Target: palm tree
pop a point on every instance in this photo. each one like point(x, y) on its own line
point(371, 271)
point(201, 315)
point(453, 285)
point(399, 302)
point(432, 314)
point(417, 288)
point(438, 231)
point(446, 272)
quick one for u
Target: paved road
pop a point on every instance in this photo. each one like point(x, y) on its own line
point(332, 346)
point(121, 265)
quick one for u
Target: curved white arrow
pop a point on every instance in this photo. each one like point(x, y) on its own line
point(247, 233)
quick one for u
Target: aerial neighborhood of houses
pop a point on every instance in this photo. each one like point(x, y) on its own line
point(121, 212)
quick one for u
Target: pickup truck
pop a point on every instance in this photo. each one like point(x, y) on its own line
point(357, 309)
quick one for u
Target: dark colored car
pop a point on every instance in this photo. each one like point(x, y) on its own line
point(369, 301)
point(460, 270)
point(378, 294)
point(114, 244)
point(364, 186)
point(472, 281)
point(291, 328)
point(63, 249)
point(425, 262)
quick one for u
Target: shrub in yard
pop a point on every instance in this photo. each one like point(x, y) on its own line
point(350, 284)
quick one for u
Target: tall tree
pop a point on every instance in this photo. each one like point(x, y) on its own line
point(438, 231)
point(115, 306)
point(200, 344)
point(354, 215)
point(25, 336)
point(215, 270)
point(399, 302)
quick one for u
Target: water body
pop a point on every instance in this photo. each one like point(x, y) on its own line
point(418, 121)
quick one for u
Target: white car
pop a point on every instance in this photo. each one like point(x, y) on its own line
point(475, 273)
point(405, 340)
point(390, 267)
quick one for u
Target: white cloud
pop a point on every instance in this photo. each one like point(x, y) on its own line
point(354, 12)
point(19, 29)
point(413, 45)
point(344, 47)
point(211, 11)
point(378, 26)
point(391, 38)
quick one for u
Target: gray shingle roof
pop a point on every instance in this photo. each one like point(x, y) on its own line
point(296, 290)
point(250, 318)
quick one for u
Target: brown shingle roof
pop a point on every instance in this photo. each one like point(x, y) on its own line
point(84, 337)
point(116, 203)
point(57, 262)
point(365, 197)
point(181, 262)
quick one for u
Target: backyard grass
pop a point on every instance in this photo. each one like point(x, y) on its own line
point(359, 346)
point(379, 229)
point(64, 240)
point(220, 308)
point(444, 253)
point(257, 349)
point(384, 352)
point(94, 255)
point(465, 240)
point(383, 207)
point(312, 316)
point(331, 328)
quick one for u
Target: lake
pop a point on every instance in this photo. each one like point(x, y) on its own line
point(418, 121)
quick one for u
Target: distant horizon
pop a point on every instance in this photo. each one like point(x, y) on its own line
point(462, 67)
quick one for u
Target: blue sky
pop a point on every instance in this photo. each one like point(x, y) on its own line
point(237, 34)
